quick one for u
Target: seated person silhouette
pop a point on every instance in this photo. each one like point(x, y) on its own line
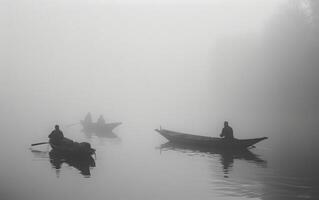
point(56, 136)
point(100, 121)
point(227, 132)
point(88, 118)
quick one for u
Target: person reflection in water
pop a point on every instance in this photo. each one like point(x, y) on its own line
point(227, 160)
point(56, 136)
point(227, 132)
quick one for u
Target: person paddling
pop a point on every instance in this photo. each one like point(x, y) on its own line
point(56, 136)
point(227, 132)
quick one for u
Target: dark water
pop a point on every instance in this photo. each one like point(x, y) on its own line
point(135, 162)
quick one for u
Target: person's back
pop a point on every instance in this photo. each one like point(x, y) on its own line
point(227, 132)
point(101, 120)
point(56, 136)
point(88, 118)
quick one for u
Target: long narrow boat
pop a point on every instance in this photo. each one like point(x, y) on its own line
point(75, 149)
point(209, 142)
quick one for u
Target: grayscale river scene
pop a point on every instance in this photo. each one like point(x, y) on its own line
point(141, 93)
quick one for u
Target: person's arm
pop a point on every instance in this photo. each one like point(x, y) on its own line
point(50, 136)
point(61, 135)
point(223, 133)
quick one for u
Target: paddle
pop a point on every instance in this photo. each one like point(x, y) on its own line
point(35, 144)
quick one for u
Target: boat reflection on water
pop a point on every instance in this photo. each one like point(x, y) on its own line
point(40, 154)
point(83, 164)
point(105, 134)
point(227, 157)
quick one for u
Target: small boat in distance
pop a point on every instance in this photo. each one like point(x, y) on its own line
point(99, 128)
point(209, 142)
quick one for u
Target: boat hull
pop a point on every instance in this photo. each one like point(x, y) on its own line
point(70, 148)
point(208, 142)
point(96, 128)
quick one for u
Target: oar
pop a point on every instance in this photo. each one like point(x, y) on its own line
point(35, 144)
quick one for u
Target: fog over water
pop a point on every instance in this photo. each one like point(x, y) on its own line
point(183, 65)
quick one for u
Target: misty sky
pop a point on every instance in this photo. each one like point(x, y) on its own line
point(187, 57)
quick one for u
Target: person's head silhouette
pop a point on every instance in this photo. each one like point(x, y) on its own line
point(226, 123)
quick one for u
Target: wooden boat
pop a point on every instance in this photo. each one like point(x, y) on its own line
point(69, 147)
point(210, 142)
point(99, 128)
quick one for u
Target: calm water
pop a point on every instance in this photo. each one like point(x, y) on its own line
point(140, 164)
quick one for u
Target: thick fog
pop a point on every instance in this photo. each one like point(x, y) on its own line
point(183, 65)
point(188, 65)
